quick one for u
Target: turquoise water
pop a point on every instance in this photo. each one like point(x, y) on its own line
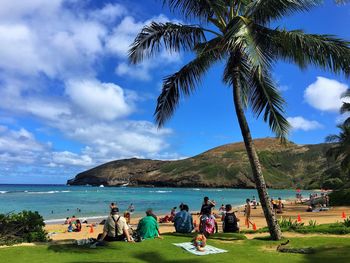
point(60, 201)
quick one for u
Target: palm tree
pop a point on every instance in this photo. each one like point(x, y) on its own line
point(345, 108)
point(341, 150)
point(237, 33)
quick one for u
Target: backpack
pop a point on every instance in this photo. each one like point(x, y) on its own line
point(209, 225)
point(230, 223)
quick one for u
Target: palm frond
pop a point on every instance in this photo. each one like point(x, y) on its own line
point(261, 94)
point(172, 36)
point(345, 108)
point(181, 83)
point(346, 94)
point(241, 36)
point(332, 138)
point(264, 11)
point(196, 8)
point(323, 51)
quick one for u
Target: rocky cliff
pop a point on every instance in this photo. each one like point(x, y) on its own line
point(284, 166)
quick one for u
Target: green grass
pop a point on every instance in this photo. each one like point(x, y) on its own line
point(334, 229)
point(328, 249)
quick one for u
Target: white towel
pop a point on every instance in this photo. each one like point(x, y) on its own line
point(192, 249)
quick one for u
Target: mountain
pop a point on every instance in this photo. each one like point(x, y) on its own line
point(284, 166)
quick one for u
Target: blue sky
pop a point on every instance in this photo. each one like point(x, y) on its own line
point(70, 100)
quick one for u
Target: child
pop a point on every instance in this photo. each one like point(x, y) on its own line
point(199, 241)
point(70, 227)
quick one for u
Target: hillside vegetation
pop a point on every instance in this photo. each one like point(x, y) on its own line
point(285, 166)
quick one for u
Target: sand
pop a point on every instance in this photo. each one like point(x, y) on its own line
point(58, 232)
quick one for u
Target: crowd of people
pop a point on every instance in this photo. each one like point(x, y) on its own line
point(74, 224)
point(117, 227)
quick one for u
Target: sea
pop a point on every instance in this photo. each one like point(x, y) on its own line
point(56, 202)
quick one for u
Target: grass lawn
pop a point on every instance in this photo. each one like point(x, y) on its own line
point(328, 249)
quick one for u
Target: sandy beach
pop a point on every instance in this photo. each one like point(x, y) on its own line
point(58, 232)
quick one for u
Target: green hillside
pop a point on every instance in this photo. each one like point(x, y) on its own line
point(284, 166)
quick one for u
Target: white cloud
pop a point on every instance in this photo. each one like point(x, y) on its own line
point(300, 123)
point(69, 158)
point(51, 58)
point(119, 43)
point(109, 13)
point(101, 100)
point(325, 94)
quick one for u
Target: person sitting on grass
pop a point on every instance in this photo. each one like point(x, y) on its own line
point(183, 220)
point(148, 227)
point(230, 221)
point(200, 241)
point(115, 228)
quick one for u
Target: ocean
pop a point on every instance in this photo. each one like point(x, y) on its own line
point(55, 202)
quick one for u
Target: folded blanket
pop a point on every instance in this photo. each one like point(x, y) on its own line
point(192, 249)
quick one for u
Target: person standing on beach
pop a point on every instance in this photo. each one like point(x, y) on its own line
point(207, 206)
point(247, 213)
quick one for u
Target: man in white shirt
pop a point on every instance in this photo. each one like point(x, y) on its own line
point(115, 228)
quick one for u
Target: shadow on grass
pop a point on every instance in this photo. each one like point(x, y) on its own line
point(72, 248)
point(151, 257)
point(217, 236)
point(329, 254)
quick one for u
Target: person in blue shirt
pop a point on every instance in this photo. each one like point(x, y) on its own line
point(183, 220)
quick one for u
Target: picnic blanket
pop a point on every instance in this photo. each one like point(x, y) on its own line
point(208, 249)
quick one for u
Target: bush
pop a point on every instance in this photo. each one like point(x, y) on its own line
point(333, 183)
point(340, 197)
point(26, 226)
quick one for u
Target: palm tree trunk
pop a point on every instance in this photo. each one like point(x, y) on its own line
point(272, 224)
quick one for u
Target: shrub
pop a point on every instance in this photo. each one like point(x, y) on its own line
point(26, 226)
point(312, 223)
point(340, 197)
point(333, 183)
point(347, 222)
point(289, 224)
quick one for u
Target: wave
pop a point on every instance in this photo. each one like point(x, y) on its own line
point(160, 191)
point(49, 192)
point(89, 219)
point(196, 189)
point(3, 192)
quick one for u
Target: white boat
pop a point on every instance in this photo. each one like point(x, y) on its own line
point(102, 185)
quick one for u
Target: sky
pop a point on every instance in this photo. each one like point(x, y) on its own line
point(70, 100)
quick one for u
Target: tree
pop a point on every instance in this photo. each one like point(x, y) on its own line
point(345, 108)
point(237, 33)
point(341, 150)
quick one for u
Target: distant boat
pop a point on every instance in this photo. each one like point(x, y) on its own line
point(102, 185)
point(126, 184)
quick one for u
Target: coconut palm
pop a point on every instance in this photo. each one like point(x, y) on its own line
point(238, 33)
point(345, 108)
point(341, 150)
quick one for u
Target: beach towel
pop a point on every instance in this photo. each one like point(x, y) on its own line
point(192, 249)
